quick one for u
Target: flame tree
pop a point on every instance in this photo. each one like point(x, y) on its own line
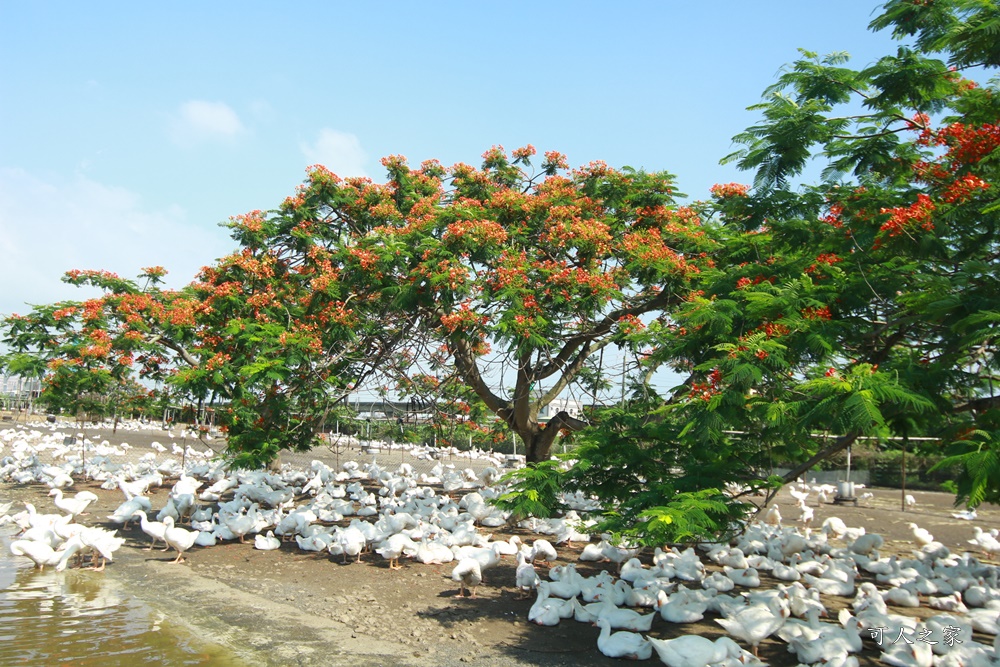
point(877, 287)
point(275, 338)
point(505, 267)
point(863, 304)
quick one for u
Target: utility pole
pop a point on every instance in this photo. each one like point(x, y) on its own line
point(624, 360)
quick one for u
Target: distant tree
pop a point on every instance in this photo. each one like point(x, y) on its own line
point(274, 338)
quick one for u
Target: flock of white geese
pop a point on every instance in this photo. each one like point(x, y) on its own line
point(774, 582)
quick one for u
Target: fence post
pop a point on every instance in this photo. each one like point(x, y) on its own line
point(902, 480)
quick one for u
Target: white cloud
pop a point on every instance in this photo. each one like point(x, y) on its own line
point(340, 152)
point(48, 228)
point(198, 121)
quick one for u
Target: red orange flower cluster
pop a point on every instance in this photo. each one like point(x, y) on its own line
point(366, 258)
point(728, 190)
point(770, 329)
point(817, 313)
point(478, 232)
point(217, 361)
point(630, 324)
point(963, 188)
point(62, 313)
point(524, 152)
point(833, 216)
point(648, 247)
point(252, 221)
point(827, 258)
point(705, 390)
point(902, 217)
point(462, 319)
point(968, 143)
point(556, 160)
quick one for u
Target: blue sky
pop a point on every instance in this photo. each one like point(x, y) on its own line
point(129, 130)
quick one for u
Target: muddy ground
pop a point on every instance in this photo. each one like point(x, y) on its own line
point(290, 607)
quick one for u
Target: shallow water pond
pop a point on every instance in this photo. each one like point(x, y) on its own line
point(79, 618)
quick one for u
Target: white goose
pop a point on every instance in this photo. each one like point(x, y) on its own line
point(984, 619)
point(542, 550)
point(73, 506)
point(468, 573)
point(773, 516)
point(548, 611)
point(830, 586)
point(618, 554)
point(784, 572)
point(592, 552)
point(178, 538)
point(624, 619)
point(102, 543)
point(242, 523)
point(695, 651)
point(352, 541)
point(509, 547)
point(645, 592)
point(152, 528)
point(921, 536)
point(796, 629)
point(43, 555)
point(902, 596)
point(747, 576)
point(985, 541)
point(831, 642)
point(395, 546)
point(681, 607)
point(632, 570)
point(757, 622)
point(525, 577)
point(952, 603)
point(127, 511)
point(622, 644)
point(917, 654)
point(266, 542)
point(432, 552)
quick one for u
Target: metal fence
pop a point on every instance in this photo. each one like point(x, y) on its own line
point(133, 442)
point(831, 476)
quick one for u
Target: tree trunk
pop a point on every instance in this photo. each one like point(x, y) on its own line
point(538, 438)
point(535, 450)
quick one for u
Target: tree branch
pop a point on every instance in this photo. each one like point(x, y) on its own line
point(603, 327)
point(465, 362)
point(977, 404)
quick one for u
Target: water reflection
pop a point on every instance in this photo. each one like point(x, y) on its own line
point(75, 617)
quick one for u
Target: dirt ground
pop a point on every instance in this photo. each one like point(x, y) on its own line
point(289, 607)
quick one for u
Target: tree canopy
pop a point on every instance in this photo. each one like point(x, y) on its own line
point(863, 304)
